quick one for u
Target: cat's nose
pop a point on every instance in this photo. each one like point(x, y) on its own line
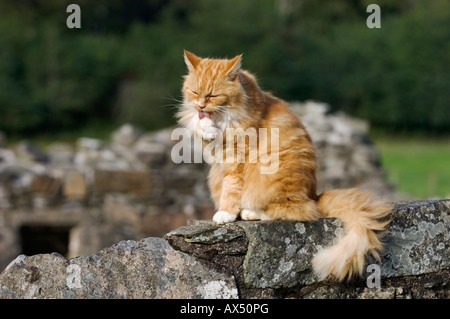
point(201, 105)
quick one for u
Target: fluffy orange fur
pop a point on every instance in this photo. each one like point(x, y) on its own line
point(230, 98)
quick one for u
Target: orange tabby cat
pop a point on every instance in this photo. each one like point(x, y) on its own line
point(219, 95)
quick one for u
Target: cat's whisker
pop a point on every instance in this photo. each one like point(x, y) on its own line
point(170, 97)
point(172, 107)
point(176, 105)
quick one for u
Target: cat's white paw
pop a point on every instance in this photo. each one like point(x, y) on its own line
point(249, 214)
point(206, 122)
point(209, 133)
point(209, 130)
point(223, 217)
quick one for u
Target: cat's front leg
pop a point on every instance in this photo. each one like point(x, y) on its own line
point(230, 198)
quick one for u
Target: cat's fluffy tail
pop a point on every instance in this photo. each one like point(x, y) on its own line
point(361, 217)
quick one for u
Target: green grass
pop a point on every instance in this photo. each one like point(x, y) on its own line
point(418, 166)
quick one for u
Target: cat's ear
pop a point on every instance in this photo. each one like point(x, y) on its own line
point(234, 65)
point(191, 60)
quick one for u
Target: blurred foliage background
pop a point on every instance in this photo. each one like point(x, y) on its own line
point(125, 63)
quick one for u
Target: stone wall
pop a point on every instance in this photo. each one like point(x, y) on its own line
point(246, 259)
point(128, 187)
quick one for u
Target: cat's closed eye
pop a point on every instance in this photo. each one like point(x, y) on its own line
point(193, 92)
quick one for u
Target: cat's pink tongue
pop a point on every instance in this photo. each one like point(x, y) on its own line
point(202, 114)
